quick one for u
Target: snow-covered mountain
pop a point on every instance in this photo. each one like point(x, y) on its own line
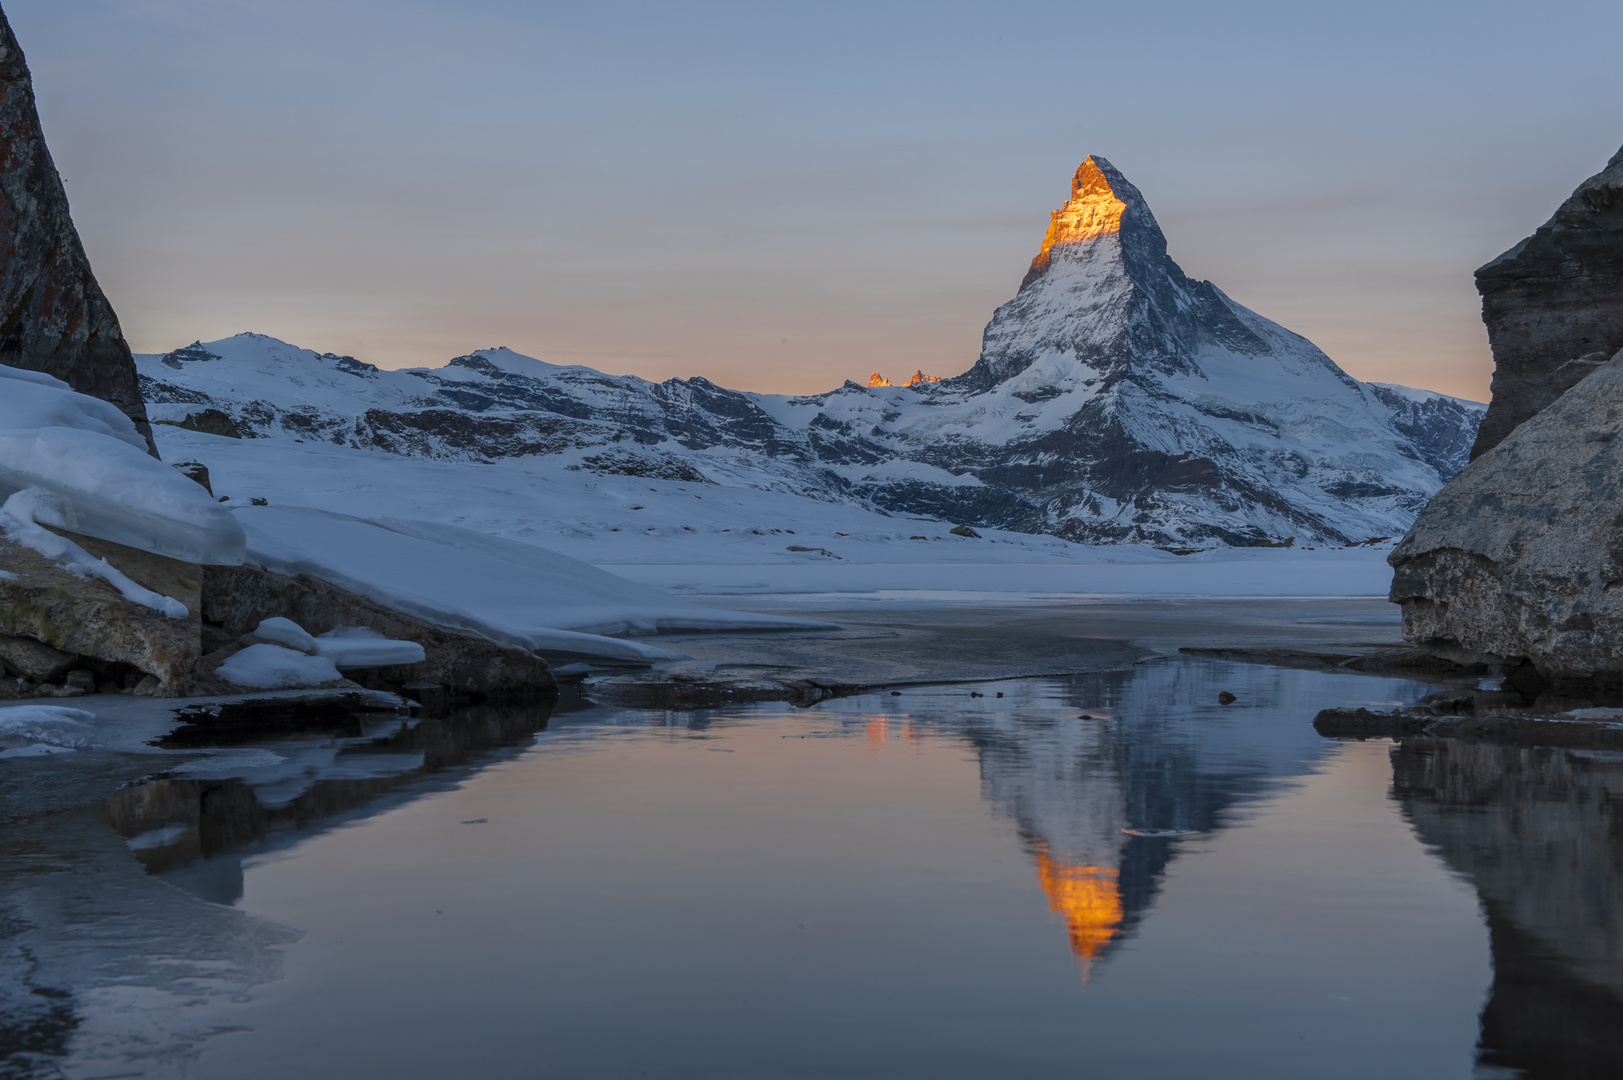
point(1115, 400)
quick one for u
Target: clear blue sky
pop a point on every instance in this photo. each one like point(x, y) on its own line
point(781, 196)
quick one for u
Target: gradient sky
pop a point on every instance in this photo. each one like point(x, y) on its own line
point(782, 196)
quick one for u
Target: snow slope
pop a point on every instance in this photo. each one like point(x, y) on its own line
point(508, 591)
point(735, 545)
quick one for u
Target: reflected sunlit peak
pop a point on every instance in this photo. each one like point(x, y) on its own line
point(1089, 899)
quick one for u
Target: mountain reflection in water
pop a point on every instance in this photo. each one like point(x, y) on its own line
point(1539, 833)
point(838, 863)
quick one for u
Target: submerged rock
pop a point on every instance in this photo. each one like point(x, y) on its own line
point(1516, 559)
point(1553, 305)
point(53, 315)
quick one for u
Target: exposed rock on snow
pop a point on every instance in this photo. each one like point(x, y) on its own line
point(53, 316)
point(242, 598)
point(88, 617)
point(1518, 557)
point(1115, 400)
point(1553, 304)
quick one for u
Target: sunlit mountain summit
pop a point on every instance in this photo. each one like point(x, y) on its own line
point(1115, 400)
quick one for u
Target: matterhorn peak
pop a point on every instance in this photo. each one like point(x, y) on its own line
point(1103, 203)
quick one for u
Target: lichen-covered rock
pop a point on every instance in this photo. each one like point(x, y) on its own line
point(35, 659)
point(1553, 305)
point(237, 598)
point(53, 315)
point(1519, 555)
point(89, 618)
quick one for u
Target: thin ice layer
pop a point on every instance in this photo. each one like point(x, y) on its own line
point(507, 590)
point(88, 456)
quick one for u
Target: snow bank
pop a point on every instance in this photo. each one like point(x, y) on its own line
point(359, 647)
point(87, 456)
point(271, 667)
point(345, 646)
point(286, 632)
point(36, 730)
point(507, 590)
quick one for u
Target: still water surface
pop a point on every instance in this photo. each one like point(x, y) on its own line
point(1103, 876)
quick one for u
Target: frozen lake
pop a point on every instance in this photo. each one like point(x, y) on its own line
point(1106, 875)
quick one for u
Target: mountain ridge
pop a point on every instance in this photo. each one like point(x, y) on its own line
point(1114, 400)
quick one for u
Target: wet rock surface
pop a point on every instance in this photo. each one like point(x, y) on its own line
point(1516, 558)
point(53, 315)
point(1553, 305)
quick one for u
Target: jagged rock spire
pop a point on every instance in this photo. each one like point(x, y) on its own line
point(53, 316)
point(1103, 292)
point(1102, 203)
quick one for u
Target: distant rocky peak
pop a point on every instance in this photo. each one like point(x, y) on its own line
point(189, 354)
point(1102, 203)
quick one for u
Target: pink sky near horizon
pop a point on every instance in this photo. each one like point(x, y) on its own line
point(782, 199)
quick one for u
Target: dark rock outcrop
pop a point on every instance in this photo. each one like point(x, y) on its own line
point(1517, 558)
point(236, 598)
point(1553, 305)
point(53, 315)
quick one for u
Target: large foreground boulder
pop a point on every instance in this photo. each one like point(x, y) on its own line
point(1519, 557)
point(237, 598)
point(53, 315)
point(1553, 305)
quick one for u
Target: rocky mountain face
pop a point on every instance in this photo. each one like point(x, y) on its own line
point(53, 316)
point(1553, 304)
point(1115, 400)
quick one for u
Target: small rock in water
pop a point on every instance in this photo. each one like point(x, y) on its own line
point(976, 693)
point(1226, 698)
point(1000, 693)
point(898, 693)
point(1084, 716)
